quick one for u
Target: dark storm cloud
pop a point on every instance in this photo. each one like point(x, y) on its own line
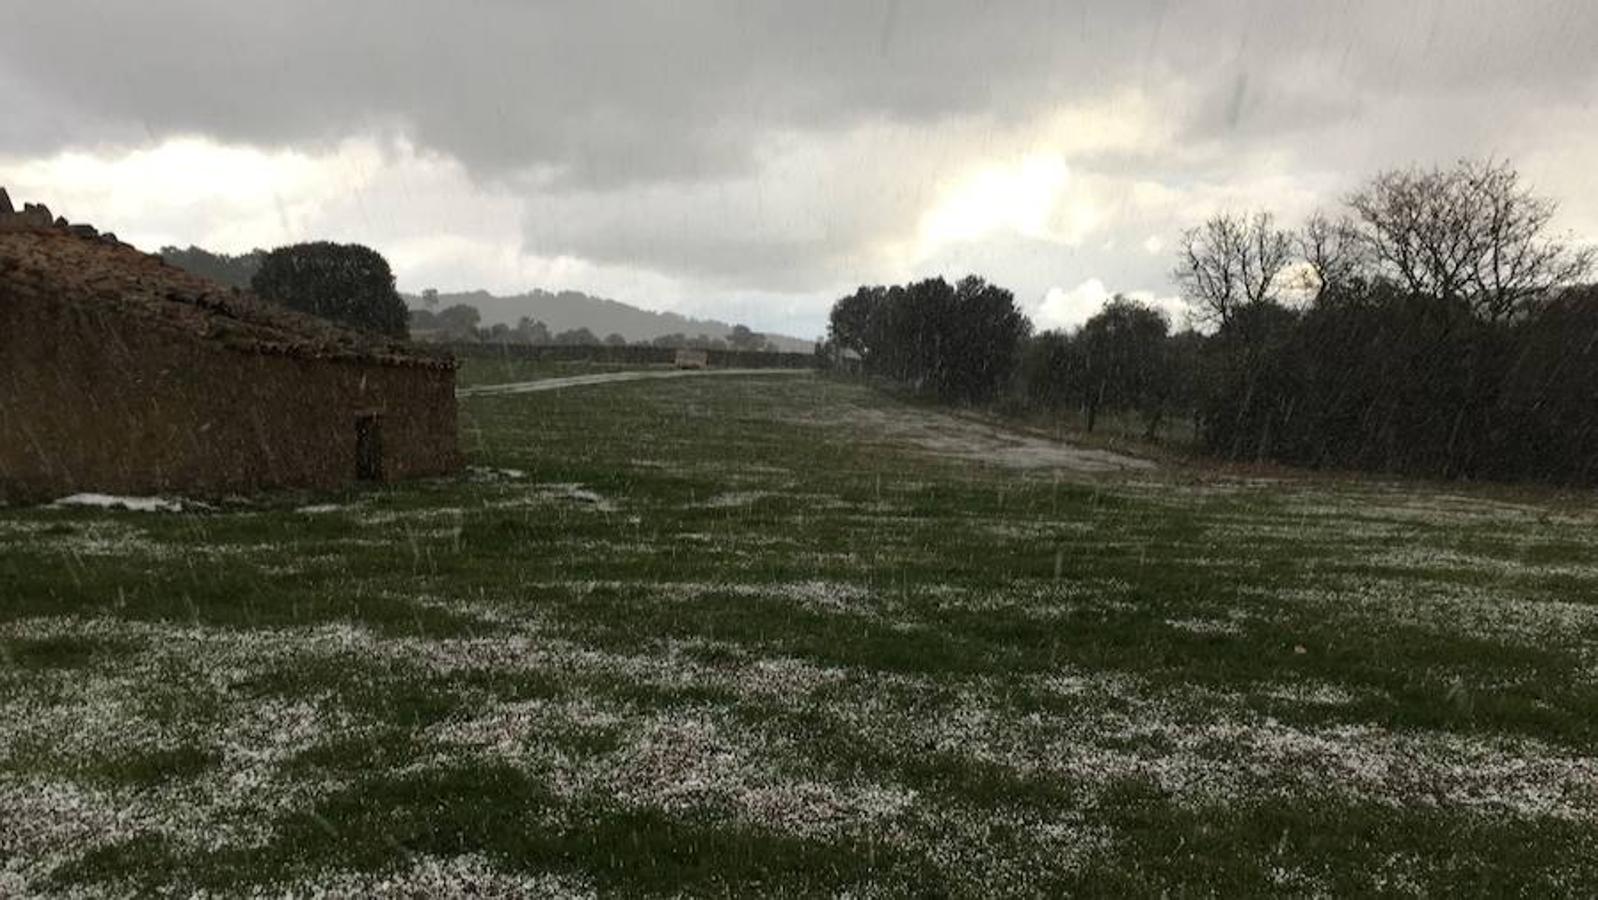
point(609, 93)
point(602, 93)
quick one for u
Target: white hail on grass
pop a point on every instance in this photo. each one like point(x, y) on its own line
point(426, 877)
point(733, 499)
point(1201, 626)
point(1099, 728)
point(491, 473)
point(134, 504)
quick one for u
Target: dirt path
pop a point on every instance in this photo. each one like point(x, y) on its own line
point(959, 437)
point(556, 384)
point(939, 434)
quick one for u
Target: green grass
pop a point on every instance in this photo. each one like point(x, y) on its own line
point(735, 636)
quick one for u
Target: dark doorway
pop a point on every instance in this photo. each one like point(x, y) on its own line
point(368, 447)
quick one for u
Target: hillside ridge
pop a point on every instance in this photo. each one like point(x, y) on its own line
point(566, 310)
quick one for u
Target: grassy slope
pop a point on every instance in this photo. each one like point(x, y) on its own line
point(704, 635)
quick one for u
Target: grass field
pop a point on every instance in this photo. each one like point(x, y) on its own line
point(748, 636)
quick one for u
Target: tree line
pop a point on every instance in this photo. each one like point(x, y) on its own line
point(957, 341)
point(462, 323)
point(353, 285)
point(1434, 326)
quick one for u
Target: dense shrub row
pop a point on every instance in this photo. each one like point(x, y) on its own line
point(1437, 329)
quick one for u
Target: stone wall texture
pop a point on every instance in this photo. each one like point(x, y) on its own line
point(98, 395)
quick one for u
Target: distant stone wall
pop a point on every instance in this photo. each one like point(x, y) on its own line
point(91, 400)
point(631, 355)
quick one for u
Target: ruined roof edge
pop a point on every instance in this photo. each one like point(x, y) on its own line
point(302, 335)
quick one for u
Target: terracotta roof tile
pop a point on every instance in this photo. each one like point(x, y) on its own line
point(79, 268)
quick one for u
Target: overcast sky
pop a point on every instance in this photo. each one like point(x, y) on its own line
point(752, 161)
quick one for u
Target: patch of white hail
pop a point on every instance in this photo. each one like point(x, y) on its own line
point(426, 877)
point(578, 493)
point(1206, 626)
point(1317, 693)
point(1422, 558)
point(132, 504)
point(88, 717)
point(492, 473)
point(733, 499)
point(1494, 614)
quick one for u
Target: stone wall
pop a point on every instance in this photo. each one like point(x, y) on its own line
point(90, 401)
point(98, 395)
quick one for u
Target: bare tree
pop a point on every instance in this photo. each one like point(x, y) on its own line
point(1471, 233)
point(1519, 262)
point(1333, 251)
point(1230, 262)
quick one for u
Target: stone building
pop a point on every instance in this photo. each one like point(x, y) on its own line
point(122, 374)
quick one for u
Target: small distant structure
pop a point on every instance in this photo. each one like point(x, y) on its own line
point(692, 359)
point(122, 374)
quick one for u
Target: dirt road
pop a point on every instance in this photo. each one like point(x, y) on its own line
point(556, 384)
point(937, 433)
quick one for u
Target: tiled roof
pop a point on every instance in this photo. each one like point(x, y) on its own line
point(73, 265)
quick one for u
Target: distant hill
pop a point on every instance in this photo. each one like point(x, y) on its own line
point(568, 310)
point(563, 311)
